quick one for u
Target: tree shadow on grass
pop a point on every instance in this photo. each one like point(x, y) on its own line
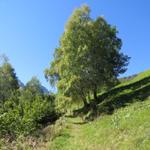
point(113, 99)
point(70, 116)
point(116, 102)
point(65, 135)
point(80, 123)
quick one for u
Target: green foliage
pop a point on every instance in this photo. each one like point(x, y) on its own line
point(34, 86)
point(24, 117)
point(8, 80)
point(22, 111)
point(88, 57)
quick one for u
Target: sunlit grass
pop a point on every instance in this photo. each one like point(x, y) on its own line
point(140, 76)
point(128, 128)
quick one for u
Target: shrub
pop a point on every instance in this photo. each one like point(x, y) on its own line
point(23, 117)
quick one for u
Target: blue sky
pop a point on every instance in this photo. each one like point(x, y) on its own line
point(30, 31)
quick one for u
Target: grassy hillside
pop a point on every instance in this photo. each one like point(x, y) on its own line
point(127, 129)
point(117, 127)
point(138, 77)
point(121, 121)
point(137, 89)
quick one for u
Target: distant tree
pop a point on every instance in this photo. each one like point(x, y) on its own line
point(34, 87)
point(87, 58)
point(8, 79)
point(34, 84)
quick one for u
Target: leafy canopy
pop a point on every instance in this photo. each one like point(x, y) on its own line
point(88, 57)
point(8, 79)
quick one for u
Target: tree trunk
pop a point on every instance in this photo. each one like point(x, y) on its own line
point(95, 94)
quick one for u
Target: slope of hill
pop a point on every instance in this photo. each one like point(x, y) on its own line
point(137, 77)
point(121, 121)
point(137, 89)
point(126, 128)
point(124, 79)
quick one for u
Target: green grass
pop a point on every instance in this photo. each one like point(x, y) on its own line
point(127, 129)
point(137, 89)
point(139, 77)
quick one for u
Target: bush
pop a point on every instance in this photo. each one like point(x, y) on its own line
point(23, 116)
